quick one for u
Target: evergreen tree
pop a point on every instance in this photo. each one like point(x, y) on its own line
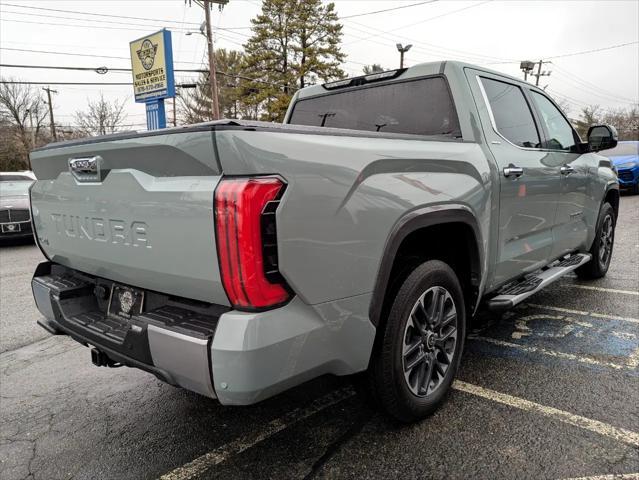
point(195, 105)
point(374, 68)
point(294, 43)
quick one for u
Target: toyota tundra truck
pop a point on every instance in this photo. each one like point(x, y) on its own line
point(239, 258)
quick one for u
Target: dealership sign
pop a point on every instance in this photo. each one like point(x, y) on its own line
point(153, 81)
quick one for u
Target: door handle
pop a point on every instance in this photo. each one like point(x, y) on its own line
point(566, 170)
point(512, 171)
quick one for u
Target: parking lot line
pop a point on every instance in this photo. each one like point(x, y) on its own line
point(219, 455)
point(620, 434)
point(587, 314)
point(611, 476)
point(599, 289)
point(552, 353)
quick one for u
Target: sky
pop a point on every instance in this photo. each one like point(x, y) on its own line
point(497, 34)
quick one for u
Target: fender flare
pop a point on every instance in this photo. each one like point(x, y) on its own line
point(412, 221)
point(613, 185)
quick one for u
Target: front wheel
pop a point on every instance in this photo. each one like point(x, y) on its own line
point(421, 344)
point(602, 246)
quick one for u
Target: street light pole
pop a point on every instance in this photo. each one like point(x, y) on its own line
point(402, 50)
point(212, 76)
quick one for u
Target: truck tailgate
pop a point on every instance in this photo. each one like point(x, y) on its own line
point(134, 209)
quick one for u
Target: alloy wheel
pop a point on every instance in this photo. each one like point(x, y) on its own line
point(429, 342)
point(606, 238)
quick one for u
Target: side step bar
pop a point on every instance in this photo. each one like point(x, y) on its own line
point(517, 292)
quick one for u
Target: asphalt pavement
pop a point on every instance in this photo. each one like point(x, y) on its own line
point(548, 390)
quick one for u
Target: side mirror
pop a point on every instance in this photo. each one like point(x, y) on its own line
point(602, 137)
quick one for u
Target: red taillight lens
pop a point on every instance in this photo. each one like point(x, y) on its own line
point(244, 220)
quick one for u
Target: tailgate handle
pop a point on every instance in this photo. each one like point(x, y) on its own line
point(86, 169)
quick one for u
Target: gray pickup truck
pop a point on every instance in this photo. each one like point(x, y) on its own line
point(238, 259)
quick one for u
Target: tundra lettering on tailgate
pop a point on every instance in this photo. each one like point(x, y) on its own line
point(98, 229)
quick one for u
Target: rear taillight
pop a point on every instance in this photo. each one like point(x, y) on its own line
point(247, 241)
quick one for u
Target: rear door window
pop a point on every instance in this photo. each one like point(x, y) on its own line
point(512, 115)
point(419, 107)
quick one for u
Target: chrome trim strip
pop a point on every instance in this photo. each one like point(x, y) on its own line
point(494, 124)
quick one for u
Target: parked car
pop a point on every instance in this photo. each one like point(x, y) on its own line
point(15, 214)
point(238, 258)
point(625, 158)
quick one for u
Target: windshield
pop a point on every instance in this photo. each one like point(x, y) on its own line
point(15, 188)
point(624, 149)
point(419, 107)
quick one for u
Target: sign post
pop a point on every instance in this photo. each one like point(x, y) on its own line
point(153, 81)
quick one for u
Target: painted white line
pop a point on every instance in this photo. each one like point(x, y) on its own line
point(552, 353)
point(612, 476)
point(620, 434)
point(219, 455)
point(633, 360)
point(587, 314)
point(599, 289)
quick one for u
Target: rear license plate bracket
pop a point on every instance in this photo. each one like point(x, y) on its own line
point(11, 228)
point(124, 302)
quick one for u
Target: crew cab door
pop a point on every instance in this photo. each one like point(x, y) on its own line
point(529, 177)
point(571, 229)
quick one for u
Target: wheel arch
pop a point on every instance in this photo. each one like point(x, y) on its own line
point(612, 197)
point(414, 227)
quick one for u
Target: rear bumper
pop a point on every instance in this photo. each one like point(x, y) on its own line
point(238, 357)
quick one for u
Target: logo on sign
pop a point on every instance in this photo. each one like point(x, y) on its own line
point(126, 301)
point(146, 54)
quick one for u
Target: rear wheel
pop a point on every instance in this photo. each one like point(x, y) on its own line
point(602, 245)
point(421, 343)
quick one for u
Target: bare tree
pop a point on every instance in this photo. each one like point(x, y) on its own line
point(23, 113)
point(101, 117)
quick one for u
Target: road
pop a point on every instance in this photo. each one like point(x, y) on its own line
point(549, 390)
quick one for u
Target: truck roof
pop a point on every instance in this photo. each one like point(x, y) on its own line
point(419, 70)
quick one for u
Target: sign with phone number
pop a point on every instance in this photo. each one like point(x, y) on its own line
point(152, 66)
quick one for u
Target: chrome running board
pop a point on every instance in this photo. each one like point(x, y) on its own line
point(516, 292)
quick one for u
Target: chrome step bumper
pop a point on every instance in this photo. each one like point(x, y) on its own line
point(172, 341)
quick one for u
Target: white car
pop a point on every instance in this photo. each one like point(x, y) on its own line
point(15, 211)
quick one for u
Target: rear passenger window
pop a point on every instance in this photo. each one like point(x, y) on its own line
point(419, 107)
point(511, 112)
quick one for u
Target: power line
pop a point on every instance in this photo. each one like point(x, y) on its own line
point(20, 82)
point(594, 50)
point(44, 15)
point(80, 54)
point(115, 22)
point(387, 10)
point(100, 70)
point(98, 14)
point(431, 49)
point(591, 91)
point(584, 83)
point(103, 27)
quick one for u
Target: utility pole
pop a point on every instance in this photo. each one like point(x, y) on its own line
point(174, 116)
point(49, 91)
point(33, 135)
point(402, 50)
point(539, 73)
point(212, 76)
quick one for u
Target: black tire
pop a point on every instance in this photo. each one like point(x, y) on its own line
point(602, 245)
point(411, 330)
